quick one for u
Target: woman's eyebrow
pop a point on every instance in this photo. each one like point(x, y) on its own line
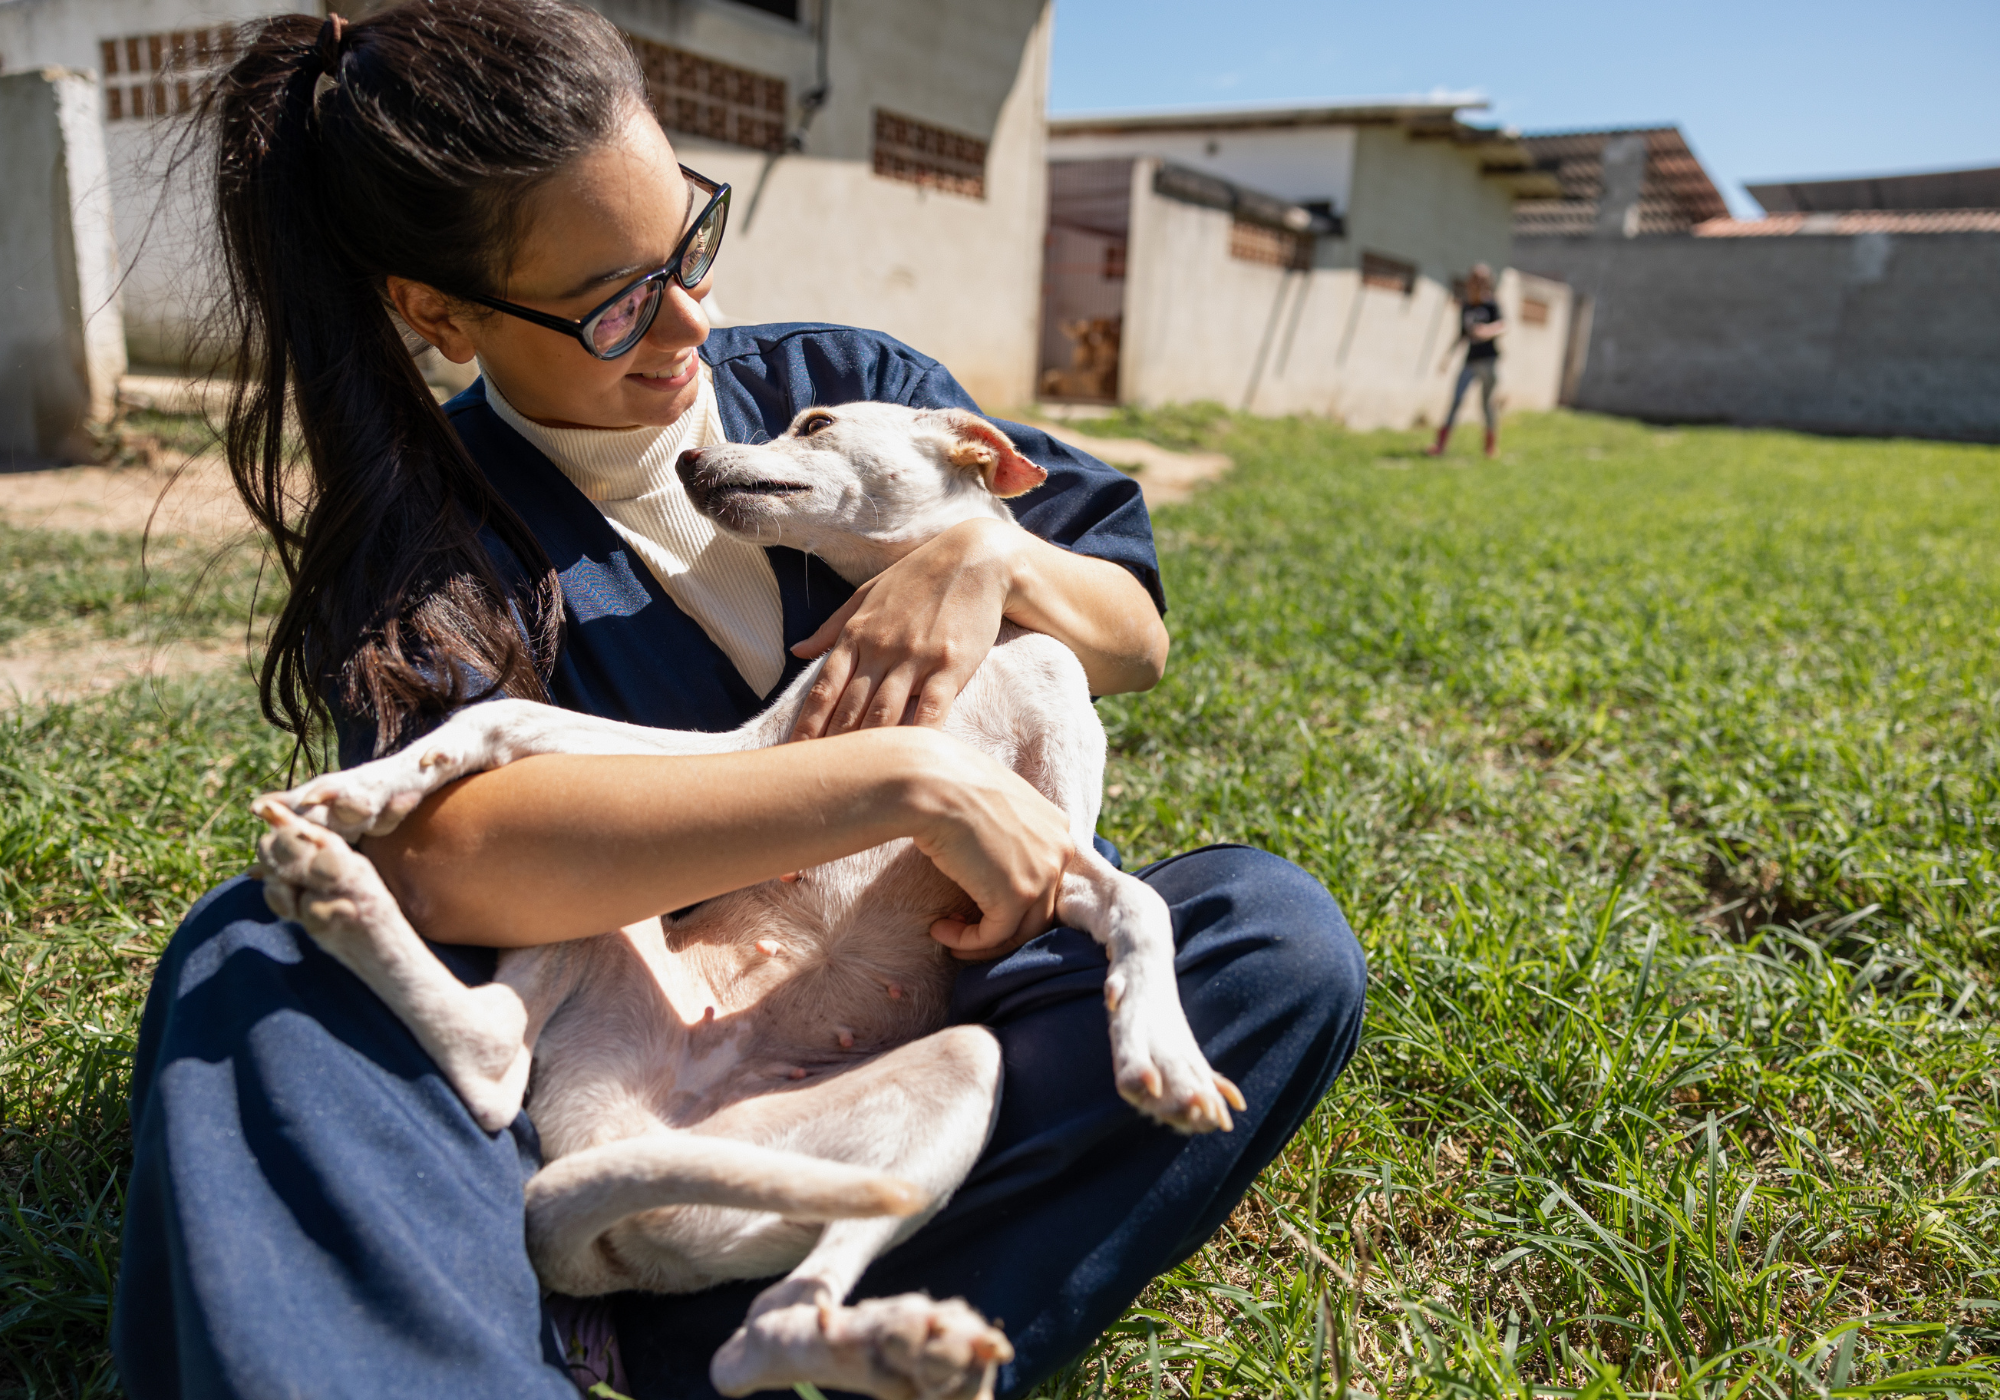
point(599, 279)
point(636, 268)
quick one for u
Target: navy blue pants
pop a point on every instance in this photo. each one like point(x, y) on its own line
point(313, 1212)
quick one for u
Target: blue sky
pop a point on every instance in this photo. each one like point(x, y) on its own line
point(1763, 90)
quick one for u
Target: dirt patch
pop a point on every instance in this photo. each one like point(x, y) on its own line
point(34, 673)
point(189, 499)
point(193, 497)
point(1164, 475)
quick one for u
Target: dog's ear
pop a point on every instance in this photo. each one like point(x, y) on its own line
point(981, 446)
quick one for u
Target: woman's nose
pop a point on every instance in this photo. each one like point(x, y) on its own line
point(682, 321)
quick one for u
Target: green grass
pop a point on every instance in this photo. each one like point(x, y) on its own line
point(59, 588)
point(1656, 771)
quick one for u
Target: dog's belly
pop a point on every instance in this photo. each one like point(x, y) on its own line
point(750, 993)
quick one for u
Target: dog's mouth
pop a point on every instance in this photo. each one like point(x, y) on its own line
point(757, 488)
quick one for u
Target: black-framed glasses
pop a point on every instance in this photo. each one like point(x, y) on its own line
point(622, 322)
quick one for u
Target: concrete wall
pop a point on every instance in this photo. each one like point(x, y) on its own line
point(162, 229)
point(1423, 200)
point(1201, 324)
point(815, 236)
point(62, 344)
point(956, 277)
point(1297, 163)
point(1870, 333)
point(1532, 356)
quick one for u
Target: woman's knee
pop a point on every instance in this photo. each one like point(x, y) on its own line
point(1269, 921)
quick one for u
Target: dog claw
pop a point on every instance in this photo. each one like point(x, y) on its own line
point(1230, 1092)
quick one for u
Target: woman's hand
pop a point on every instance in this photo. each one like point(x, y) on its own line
point(903, 647)
point(909, 639)
point(1001, 842)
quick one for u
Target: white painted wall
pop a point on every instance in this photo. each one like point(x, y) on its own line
point(62, 344)
point(955, 277)
point(958, 278)
point(1531, 357)
point(161, 228)
point(1298, 164)
point(1200, 324)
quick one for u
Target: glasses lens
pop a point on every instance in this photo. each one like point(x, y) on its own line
point(621, 324)
point(702, 246)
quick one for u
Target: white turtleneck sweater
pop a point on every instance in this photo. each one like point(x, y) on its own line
point(723, 583)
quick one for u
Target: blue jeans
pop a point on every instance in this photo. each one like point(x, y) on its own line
point(1487, 373)
point(312, 1211)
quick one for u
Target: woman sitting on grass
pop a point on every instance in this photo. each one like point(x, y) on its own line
point(312, 1209)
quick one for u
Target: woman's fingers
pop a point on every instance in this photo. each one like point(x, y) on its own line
point(967, 940)
point(852, 705)
point(891, 697)
point(824, 695)
point(1006, 846)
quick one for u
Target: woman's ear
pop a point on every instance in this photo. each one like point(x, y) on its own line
point(978, 444)
point(432, 315)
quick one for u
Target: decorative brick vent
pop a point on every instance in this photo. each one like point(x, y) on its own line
point(1279, 247)
point(701, 97)
point(158, 75)
point(1388, 274)
point(906, 149)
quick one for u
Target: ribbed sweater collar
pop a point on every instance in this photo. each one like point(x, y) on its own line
point(616, 464)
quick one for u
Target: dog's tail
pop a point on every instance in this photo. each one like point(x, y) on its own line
point(575, 1199)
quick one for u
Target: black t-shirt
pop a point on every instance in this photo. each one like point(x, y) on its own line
point(1479, 313)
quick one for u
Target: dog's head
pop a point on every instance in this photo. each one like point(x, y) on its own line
point(862, 484)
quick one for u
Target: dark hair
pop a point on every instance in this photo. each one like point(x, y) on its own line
point(403, 145)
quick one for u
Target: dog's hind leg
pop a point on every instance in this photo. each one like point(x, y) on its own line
point(923, 1112)
point(668, 1206)
point(477, 1035)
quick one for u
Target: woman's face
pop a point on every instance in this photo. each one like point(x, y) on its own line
point(609, 217)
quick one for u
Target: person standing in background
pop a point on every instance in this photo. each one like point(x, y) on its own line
point(1480, 327)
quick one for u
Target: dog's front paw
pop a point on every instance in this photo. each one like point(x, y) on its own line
point(909, 1347)
point(372, 798)
point(1158, 1065)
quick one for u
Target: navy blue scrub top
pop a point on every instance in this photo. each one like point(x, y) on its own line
point(628, 652)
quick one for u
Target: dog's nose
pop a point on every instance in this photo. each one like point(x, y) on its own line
point(687, 465)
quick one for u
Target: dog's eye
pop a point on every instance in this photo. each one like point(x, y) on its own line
point(814, 422)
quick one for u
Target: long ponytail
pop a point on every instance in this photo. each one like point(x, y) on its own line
point(400, 145)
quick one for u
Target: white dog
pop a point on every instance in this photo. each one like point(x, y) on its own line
point(765, 1082)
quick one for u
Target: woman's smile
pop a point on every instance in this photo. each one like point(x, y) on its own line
point(672, 377)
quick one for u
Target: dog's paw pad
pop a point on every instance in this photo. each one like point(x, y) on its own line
point(906, 1346)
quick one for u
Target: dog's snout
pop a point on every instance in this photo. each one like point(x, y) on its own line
point(688, 468)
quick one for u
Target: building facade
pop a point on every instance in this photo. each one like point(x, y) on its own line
point(887, 156)
point(1294, 260)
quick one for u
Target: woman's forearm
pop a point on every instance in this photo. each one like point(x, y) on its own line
point(1094, 607)
point(563, 846)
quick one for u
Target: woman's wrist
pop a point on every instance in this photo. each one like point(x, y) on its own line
point(1002, 554)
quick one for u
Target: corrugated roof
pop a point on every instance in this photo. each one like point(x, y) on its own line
point(1856, 221)
point(1677, 193)
point(1927, 191)
point(1245, 116)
